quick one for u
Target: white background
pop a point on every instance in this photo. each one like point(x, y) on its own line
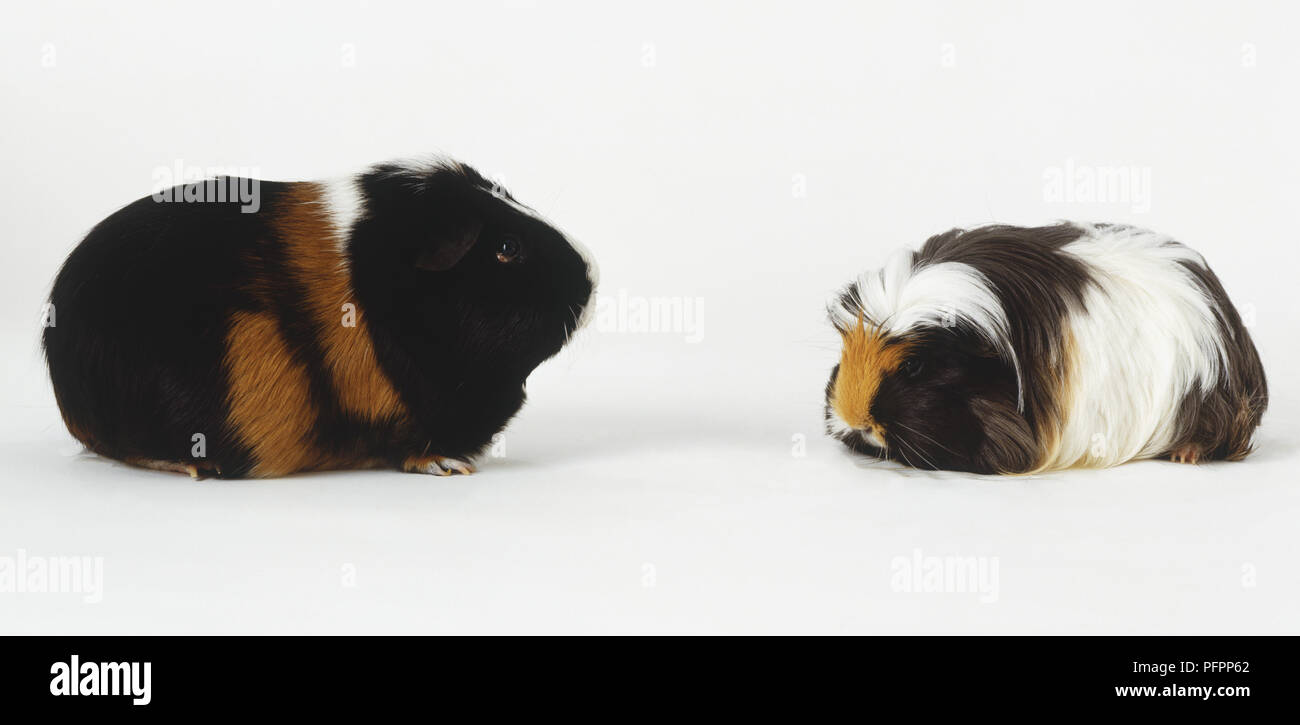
point(752, 155)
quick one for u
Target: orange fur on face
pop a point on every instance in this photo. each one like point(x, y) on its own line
point(868, 356)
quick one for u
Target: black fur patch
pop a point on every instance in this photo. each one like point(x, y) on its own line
point(459, 344)
point(143, 307)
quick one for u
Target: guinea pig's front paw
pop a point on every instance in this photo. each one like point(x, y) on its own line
point(1187, 454)
point(437, 465)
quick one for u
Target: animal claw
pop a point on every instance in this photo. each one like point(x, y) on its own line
point(438, 465)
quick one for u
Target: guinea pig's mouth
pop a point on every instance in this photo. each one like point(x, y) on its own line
point(872, 434)
point(873, 437)
point(575, 317)
point(586, 311)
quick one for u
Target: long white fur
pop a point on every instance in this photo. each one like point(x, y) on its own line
point(1146, 336)
point(838, 426)
point(898, 299)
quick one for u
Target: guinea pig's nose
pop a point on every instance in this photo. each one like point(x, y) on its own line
point(874, 435)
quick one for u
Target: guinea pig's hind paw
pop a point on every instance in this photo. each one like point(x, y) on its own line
point(198, 473)
point(438, 465)
point(1186, 454)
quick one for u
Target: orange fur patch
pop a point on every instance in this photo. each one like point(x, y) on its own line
point(270, 406)
point(314, 255)
point(868, 356)
point(1051, 422)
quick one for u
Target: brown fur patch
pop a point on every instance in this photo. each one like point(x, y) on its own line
point(314, 254)
point(1222, 425)
point(270, 406)
point(1049, 426)
point(78, 432)
point(1009, 446)
point(868, 356)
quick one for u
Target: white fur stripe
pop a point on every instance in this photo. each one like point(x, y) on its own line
point(593, 271)
point(344, 205)
point(1147, 337)
point(900, 298)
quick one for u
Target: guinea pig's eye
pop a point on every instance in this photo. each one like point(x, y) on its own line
point(509, 250)
point(911, 367)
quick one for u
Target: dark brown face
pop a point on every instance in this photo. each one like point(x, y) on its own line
point(930, 398)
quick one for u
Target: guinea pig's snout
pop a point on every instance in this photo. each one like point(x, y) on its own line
point(593, 281)
point(588, 310)
point(868, 356)
point(857, 419)
point(593, 270)
point(873, 434)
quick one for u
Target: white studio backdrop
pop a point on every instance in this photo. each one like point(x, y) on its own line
point(733, 164)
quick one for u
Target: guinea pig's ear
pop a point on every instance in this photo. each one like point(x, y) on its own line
point(448, 246)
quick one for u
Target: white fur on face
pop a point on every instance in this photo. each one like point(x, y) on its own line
point(346, 204)
point(1147, 337)
point(593, 271)
point(420, 167)
point(837, 425)
point(899, 299)
point(593, 276)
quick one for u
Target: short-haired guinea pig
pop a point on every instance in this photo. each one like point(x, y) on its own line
point(389, 318)
point(1012, 350)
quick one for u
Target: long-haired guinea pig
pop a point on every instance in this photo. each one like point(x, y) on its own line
point(1015, 350)
point(389, 318)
